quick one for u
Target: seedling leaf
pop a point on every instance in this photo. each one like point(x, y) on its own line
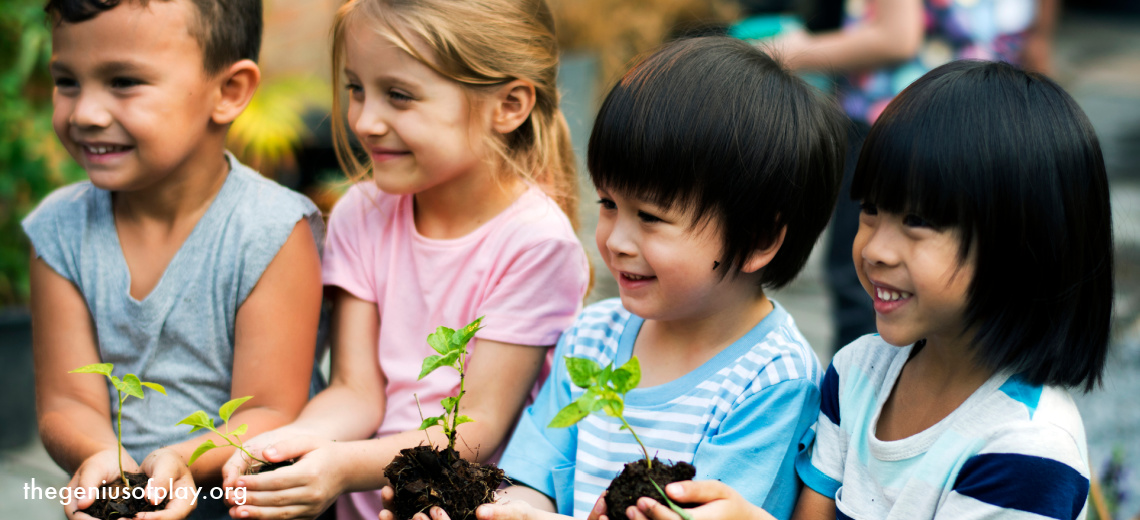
point(132, 386)
point(155, 386)
point(431, 363)
point(118, 384)
point(449, 403)
point(569, 415)
point(463, 419)
point(240, 430)
point(613, 407)
point(202, 448)
point(197, 421)
point(627, 377)
point(94, 368)
point(461, 337)
point(228, 409)
point(431, 421)
point(439, 341)
point(583, 372)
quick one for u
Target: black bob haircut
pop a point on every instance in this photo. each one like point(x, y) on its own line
point(228, 31)
point(1009, 159)
point(718, 129)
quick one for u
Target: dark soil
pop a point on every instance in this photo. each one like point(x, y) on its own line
point(258, 468)
point(423, 477)
point(633, 483)
point(121, 503)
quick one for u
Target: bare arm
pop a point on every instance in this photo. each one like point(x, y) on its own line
point(892, 34)
point(1037, 54)
point(814, 506)
point(274, 340)
point(73, 410)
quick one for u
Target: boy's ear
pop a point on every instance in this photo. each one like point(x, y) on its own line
point(761, 257)
point(512, 105)
point(236, 86)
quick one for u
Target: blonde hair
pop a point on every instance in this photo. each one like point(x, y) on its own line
point(478, 44)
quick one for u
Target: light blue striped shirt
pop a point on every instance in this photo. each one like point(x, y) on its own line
point(738, 417)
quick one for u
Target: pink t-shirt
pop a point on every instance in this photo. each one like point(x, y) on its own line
point(523, 270)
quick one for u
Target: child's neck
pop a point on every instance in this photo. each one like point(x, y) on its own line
point(177, 197)
point(937, 380)
point(460, 206)
point(669, 349)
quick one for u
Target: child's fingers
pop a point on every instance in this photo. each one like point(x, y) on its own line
point(254, 512)
point(698, 491)
point(599, 510)
point(276, 480)
point(436, 514)
point(292, 448)
point(650, 509)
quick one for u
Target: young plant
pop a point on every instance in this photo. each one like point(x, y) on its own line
point(452, 348)
point(127, 386)
point(605, 391)
point(199, 420)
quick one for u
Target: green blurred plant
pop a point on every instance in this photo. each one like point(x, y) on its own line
point(32, 162)
point(267, 134)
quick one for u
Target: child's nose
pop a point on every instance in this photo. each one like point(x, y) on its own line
point(371, 122)
point(90, 112)
point(620, 241)
point(877, 246)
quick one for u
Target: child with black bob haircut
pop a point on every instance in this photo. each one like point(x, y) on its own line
point(985, 241)
point(716, 171)
point(173, 261)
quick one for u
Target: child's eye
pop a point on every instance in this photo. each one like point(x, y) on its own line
point(647, 218)
point(869, 208)
point(607, 204)
point(913, 220)
point(399, 97)
point(353, 89)
point(124, 82)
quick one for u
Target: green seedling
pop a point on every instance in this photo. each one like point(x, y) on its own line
point(127, 386)
point(605, 391)
point(200, 421)
point(451, 346)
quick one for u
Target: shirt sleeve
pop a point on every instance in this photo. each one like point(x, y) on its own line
point(541, 457)
point(538, 295)
point(754, 448)
point(820, 462)
point(54, 242)
point(344, 264)
point(1021, 473)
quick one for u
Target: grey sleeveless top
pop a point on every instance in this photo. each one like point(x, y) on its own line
point(181, 335)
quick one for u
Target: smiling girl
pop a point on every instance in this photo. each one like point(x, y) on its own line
point(469, 162)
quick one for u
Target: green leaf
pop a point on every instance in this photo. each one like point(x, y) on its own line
point(440, 340)
point(568, 416)
point(449, 403)
point(240, 430)
point(431, 421)
point(132, 386)
point(227, 410)
point(464, 335)
point(95, 368)
point(202, 448)
point(430, 364)
point(676, 509)
point(155, 386)
point(197, 421)
point(613, 407)
point(628, 376)
point(604, 377)
point(591, 401)
point(463, 419)
point(119, 385)
point(583, 372)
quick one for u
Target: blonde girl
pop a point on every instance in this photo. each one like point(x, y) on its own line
point(472, 178)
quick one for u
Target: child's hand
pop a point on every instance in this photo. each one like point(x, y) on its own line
point(599, 510)
point(719, 501)
point(500, 510)
point(302, 490)
point(164, 466)
point(238, 464)
point(97, 469)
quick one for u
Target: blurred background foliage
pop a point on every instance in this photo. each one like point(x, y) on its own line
point(32, 162)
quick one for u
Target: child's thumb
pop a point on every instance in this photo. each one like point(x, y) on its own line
point(289, 449)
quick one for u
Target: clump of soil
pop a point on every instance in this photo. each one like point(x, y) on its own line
point(423, 477)
point(121, 503)
point(633, 483)
point(258, 468)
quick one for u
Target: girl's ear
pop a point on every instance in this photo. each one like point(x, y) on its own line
point(760, 257)
point(236, 86)
point(512, 105)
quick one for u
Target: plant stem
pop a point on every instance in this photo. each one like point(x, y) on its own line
point(455, 411)
point(648, 463)
point(122, 474)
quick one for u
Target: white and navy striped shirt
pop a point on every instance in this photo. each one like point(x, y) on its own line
point(738, 418)
point(1012, 450)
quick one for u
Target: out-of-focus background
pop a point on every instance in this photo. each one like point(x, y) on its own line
point(285, 133)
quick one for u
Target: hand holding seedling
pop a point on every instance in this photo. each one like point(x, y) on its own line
point(199, 420)
point(718, 502)
point(127, 386)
